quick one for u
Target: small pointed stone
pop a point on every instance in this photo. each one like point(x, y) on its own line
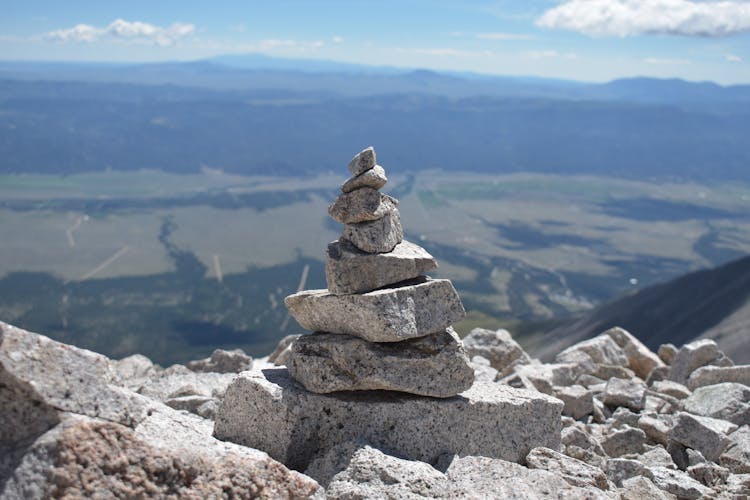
point(362, 162)
point(435, 365)
point(416, 308)
point(350, 270)
point(377, 236)
point(374, 178)
point(361, 205)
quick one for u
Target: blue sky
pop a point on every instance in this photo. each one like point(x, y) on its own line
point(592, 40)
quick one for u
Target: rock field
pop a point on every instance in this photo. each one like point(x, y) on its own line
point(381, 400)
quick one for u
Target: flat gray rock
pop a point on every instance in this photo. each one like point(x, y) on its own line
point(361, 205)
point(435, 365)
point(374, 178)
point(269, 411)
point(698, 433)
point(418, 308)
point(362, 161)
point(350, 270)
point(377, 236)
point(729, 401)
point(710, 375)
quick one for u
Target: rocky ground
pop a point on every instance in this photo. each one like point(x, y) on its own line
point(634, 424)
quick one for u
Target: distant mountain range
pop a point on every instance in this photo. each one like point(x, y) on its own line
point(713, 303)
point(259, 115)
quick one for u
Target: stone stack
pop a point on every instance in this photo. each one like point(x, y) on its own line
point(383, 365)
point(381, 324)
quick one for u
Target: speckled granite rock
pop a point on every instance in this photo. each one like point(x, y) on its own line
point(374, 178)
point(222, 361)
point(361, 205)
point(435, 365)
point(362, 161)
point(69, 430)
point(498, 347)
point(376, 236)
point(350, 270)
point(269, 411)
point(415, 309)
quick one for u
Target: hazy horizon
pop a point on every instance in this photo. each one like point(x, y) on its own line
point(590, 41)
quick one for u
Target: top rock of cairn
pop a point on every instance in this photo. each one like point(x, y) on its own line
point(377, 294)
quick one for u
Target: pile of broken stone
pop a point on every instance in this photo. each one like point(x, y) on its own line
point(382, 400)
point(381, 324)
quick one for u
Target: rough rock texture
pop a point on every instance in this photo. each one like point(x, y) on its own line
point(579, 401)
point(498, 347)
point(68, 431)
point(696, 433)
point(640, 358)
point(692, 356)
point(279, 355)
point(624, 441)
point(374, 178)
point(222, 361)
point(269, 411)
point(361, 205)
point(360, 471)
point(134, 371)
point(350, 270)
point(641, 488)
point(737, 455)
point(415, 309)
point(602, 350)
point(435, 365)
point(362, 161)
point(624, 392)
point(574, 471)
point(377, 236)
point(728, 401)
point(482, 477)
point(710, 375)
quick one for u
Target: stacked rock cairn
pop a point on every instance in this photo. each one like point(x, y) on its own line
point(381, 324)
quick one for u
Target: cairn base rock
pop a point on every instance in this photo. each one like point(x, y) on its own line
point(269, 411)
point(414, 309)
point(435, 365)
point(350, 270)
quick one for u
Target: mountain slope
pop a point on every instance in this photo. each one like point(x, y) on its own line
point(713, 303)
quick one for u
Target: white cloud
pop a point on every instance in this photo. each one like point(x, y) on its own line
point(119, 29)
point(503, 36)
point(337, 39)
point(546, 54)
point(446, 52)
point(733, 58)
point(666, 62)
point(636, 17)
